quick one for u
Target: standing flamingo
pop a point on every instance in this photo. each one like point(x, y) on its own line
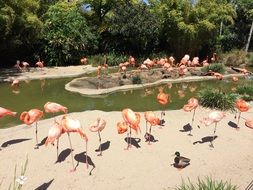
point(98, 126)
point(192, 104)
point(74, 125)
point(133, 121)
point(29, 118)
point(242, 106)
point(213, 117)
point(163, 99)
point(54, 134)
point(51, 107)
point(152, 119)
point(4, 112)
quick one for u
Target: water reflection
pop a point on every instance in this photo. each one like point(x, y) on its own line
point(35, 93)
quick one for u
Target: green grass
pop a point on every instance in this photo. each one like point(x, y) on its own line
point(216, 67)
point(207, 184)
point(216, 99)
point(246, 92)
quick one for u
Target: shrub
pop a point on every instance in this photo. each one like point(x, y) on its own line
point(217, 100)
point(234, 58)
point(136, 79)
point(113, 59)
point(207, 184)
point(250, 59)
point(216, 67)
point(246, 92)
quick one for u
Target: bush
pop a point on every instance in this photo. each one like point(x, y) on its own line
point(207, 184)
point(113, 59)
point(234, 58)
point(250, 59)
point(217, 100)
point(215, 67)
point(136, 79)
point(246, 92)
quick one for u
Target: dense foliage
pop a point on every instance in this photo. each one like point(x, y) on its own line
point(61, 31)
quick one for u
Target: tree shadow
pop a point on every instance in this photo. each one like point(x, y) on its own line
point(133, 141)
point(44, 186)
point(63, 155)
point(206, 139)
point(233, 125)
point(42, 142)
point(14, 141)
point(186, 128)
point(81, 157)
point(104, 146)
point(149, 137)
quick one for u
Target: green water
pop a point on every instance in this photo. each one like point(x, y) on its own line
point(35, 93)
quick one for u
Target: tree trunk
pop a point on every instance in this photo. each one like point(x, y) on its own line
point(249, 38)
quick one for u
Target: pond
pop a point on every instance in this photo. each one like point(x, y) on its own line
point(35, 93)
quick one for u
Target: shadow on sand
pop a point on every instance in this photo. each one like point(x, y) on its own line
point(44, 186)
point(42, 142)
point(133, 141)
point(149, 137)
point(233, 125)
point(206, 139)
point(81, 157)
point(14, 141)
point(63, 155)
point(186, 128)
point(104, 146)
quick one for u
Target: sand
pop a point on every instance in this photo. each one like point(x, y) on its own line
point(146, 167)
point(141, 167)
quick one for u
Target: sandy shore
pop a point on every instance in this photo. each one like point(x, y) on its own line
point(146, 167)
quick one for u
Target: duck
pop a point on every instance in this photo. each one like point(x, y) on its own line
point(180, 161)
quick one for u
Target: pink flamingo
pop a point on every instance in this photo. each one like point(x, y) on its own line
point(192, 104)
point(133, 120)
point(40, 64)
point(54, 134)
point(152, 119)
point(249, 123)
point(15, 83)
point(73, 125)
point(213, 117)
point(4, 112)
point(242, 106)
point(122, 127)
point(52, 107)
point(30, 117)
point(98, 126)
point(163, 99)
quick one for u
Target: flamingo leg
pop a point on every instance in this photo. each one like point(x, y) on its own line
point(100, 148)
point(190, 134)
point(130, 134)
point(149, 135)
point(239, 116)
point(146, 126)
point(57, 148)
point(86, 147)
point(213, 134)
point(72, 157)
point(36, 133)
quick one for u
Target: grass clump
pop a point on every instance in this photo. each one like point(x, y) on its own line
point(215, 67)
point(207, 184)
point(246, 92)
point(235, 58)
point(216, 99)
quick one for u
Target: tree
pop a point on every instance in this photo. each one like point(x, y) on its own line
point(66, 34)
point(20, 28)
point(133, 27)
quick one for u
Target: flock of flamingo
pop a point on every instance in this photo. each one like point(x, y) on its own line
point(131, 121)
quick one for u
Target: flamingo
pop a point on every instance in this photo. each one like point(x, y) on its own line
point(192, 104)
point(26, 65)
point(54, 134)
point(40, 64)
point(15, 83)
point(83, 60)
point(30, 117)
point(133, 121)
point(242, 106)
point(52, 107)
point(152, 119)
point(122, 127)
point(235, 78)
point(74, 125)
point(163, 99)
point(213, 117)
point(249, 123)
point(98, 126)
point(4, 112)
